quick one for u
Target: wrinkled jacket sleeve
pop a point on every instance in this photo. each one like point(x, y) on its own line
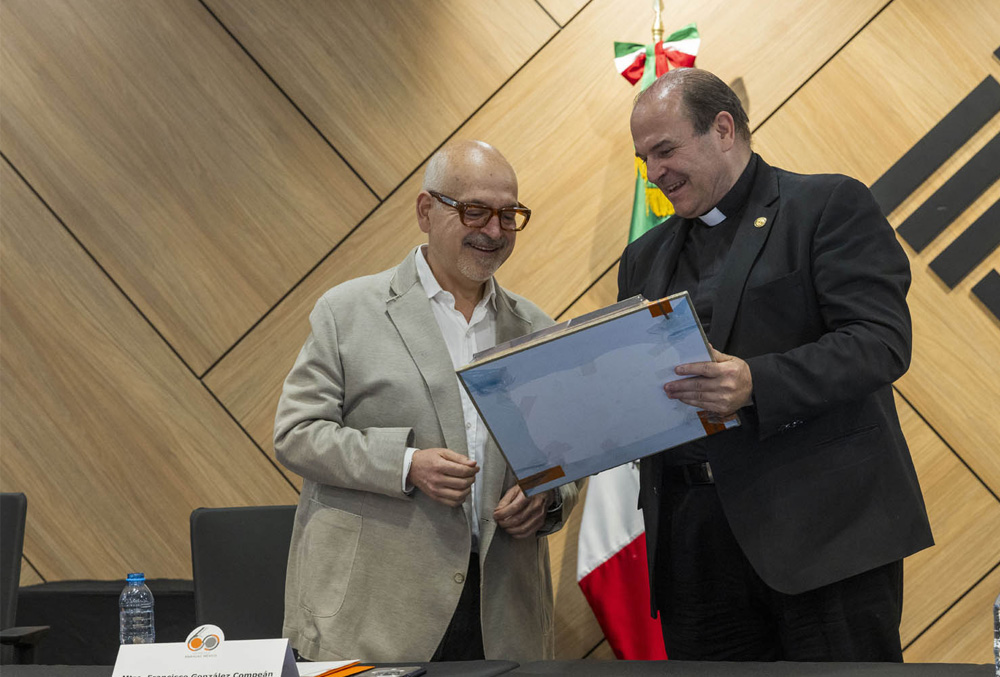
point(310, 437)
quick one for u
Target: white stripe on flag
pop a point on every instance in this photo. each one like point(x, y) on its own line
point(689, 46)
point(626, 60)
point(610, 519)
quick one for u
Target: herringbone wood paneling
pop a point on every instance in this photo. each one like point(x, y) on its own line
point(963, 513)
point(562, 10)
point(205, 196)
point(173, 159)
point(111, 438)
point(965, 633)
point(387, 82)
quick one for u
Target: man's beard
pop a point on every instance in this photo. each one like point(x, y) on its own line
point(481, 266)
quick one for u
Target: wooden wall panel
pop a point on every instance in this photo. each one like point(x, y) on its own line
point(28, 574)
point(563, 10)
point(111, 438)
point(965, 519)
point(604, 292)
point(577, 631)
point(576, 190)
point(858, 116)
point(602, 652)
point(964, 634)
point(206, 196)
point(187, 174)
point(386, 83)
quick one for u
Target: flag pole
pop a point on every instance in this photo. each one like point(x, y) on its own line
point(657, 21)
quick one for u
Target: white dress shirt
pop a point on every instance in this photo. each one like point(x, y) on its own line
point(464, 339)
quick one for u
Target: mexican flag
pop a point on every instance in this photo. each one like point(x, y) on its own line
point(611, 557)
point(650, 206)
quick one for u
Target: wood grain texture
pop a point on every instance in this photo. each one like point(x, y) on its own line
point(603, 293)
point(28, 574)
point(577, 630)
point(187, 174)
point(602, 652)
point(965, 519)
point(564, 10)
point(386, 83)
point(575, 188)
point(857, 119)
point(113, 441)
point(964, 634)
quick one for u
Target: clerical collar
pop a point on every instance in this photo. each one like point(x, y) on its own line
point(713, 218)
point(737, 196)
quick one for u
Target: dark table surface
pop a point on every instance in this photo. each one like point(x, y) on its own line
point(613, 669)
point(696, 669)
point(455, 669)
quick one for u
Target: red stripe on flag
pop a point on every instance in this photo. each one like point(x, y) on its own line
point(634, 72)
point(618, 592)
point(662, 65)
point(667, 58)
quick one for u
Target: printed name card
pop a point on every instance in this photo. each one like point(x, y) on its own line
point(207, 654)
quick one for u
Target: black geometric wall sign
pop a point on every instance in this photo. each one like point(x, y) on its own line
point(987, 290)
point(961, 190)
point(970, 248)
point(939, 144)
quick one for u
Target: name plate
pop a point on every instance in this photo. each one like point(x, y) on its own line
point(207, 654)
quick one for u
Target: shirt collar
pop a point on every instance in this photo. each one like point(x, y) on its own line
point(733, 201)
point(433, 287)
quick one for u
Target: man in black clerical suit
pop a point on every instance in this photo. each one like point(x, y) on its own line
point(782, 539)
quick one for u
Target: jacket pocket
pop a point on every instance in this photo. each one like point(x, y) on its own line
point(327, 552)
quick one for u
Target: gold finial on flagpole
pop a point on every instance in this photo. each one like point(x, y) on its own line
point(657, 21)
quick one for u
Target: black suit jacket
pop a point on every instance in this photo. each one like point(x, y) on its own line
point(818, 483)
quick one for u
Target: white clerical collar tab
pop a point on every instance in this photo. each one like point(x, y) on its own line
point(713, 218)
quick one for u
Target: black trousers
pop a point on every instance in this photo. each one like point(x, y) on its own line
point(713, 605)
point(463, 640)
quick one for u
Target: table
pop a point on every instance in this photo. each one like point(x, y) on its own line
point(612, 669)
point(454, 669)
point(585, 668)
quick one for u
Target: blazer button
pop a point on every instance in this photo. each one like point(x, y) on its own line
point(459, 578)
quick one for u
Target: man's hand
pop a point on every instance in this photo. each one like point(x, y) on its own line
point(519, 515)
point(721, 387)
point(443, 475)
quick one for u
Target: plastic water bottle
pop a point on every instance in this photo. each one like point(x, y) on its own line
point(996, 635)
point(135, 618)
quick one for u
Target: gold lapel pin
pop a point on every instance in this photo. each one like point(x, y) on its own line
point(759, 223)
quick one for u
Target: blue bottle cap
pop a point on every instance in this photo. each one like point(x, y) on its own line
point(136, 578)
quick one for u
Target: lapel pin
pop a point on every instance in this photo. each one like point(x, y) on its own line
point(759, 223)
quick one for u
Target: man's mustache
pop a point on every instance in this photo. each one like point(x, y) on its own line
point(485, 241)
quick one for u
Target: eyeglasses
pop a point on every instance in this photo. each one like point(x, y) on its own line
point(474, 215)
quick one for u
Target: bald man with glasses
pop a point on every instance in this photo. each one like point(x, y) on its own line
point(412, 540)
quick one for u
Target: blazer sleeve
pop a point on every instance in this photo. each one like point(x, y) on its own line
point(310, 437)
point(860, 275)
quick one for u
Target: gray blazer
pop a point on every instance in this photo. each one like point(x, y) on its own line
point(374, 573)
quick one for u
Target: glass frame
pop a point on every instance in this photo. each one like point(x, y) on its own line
point(460, 207)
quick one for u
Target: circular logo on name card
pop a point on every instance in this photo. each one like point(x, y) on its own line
point(205, 638)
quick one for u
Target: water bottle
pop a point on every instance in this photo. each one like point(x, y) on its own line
point(135, 618)
point(996, 635)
